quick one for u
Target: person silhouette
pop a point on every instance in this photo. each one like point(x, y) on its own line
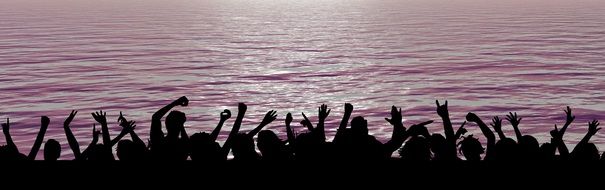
point(175, 145)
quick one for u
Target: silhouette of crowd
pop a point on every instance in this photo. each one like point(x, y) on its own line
point(351, 142)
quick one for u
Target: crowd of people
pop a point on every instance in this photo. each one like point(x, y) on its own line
point(351, 142)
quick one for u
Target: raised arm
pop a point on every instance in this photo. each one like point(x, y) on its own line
point(127, 128)
point(497, 125)
point(489, 135)
point(95, 139)
point(398, 135)
point(36, 147)
point(241, 111)
point(514, 121)
point(306, 122)
point(9, 139)
point(557, 141)
point(346, 116)
point(569, 119)
point(156, 133)
point(101, 117)
point(323, 113)
point(225, 115)
point(592, 130)
point(289, 130)
point(71, 139)
point(443, 112)
point(269, 117)
point(461, 130)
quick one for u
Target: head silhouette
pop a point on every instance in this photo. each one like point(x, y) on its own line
point(547, 151)
point(359, 126)
point(471, 148)
point(128, 150)
point(175, 121)
point(203, 148)
point(100, 152)
point(438, 146)
point(506, 149)
point(585, 152)
point(52, 150)
point(270, 146)
point(529, 147)
point(243, 148)
point(417, 149)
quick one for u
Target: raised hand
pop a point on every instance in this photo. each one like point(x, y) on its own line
point(396, 118)
point(6, 127)
point(70, 118)
point(497, 123)
point(241, 107)
point(269, 117)
point(461, 131)
point(226, 114)
point(129, 126)
point(289, 131)
point(45, 121)
point(442, 109)
point(348, 108)
point(513, 119)
point(472, 117)
point(121, 118)
point(323, 112)
point(288, 119)
point(592, 127)
point(95, 134)
point(183, 101)
point(100, 117)
point(306, 122)
point(570, 117)
point(555, 134)
point(345, 117)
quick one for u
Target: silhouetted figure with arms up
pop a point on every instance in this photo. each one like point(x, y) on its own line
point(73, 143)
point(586, 151)
point(529, 147)
point(204, 147)
point(11, 152)
point(274, 149)
point(243, 143)
point(174, 146)
point(129, 150)
point(506, 148)
point(445, 148)
point(489, 135)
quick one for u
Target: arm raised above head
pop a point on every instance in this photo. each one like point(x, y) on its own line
point(514, 121)
point(241, 111)
point(225, 115)
point(101, 117)
point(269, 117)
point(289, 130)
point(156, 133)
point(497, 125)
point(443, 112)
point(7, 135)
point(71, 139)
point(45, 121)
point(346, 116)
point(489, 135)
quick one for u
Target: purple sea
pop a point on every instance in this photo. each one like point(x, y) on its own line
point(533, 57)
